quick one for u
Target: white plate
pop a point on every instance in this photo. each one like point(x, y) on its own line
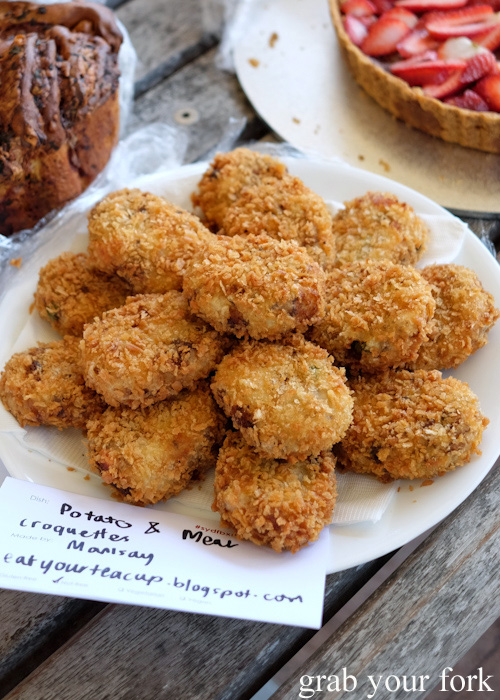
point(303, 89)
point(412, 511)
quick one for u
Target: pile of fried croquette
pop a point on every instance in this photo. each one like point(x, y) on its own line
point(261, 336)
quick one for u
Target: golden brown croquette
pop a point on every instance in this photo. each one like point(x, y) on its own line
point(286, 210)
point(45, 386)
point(377, 315)
point(151, 454)
point(144, 239)
point(147, 350)
point(70, 293)
point(464, 314)
point(288, 399)
point(271, 502)
point(255, 286)
point(411, 425)
point(377, 226)
point(227, 175)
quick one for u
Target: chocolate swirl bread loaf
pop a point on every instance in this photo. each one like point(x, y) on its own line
point(59, 112)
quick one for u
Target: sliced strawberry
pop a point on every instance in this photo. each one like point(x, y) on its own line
point(495, 4)
point(404, 15)
point(429, 17)
point(450, 86)
point(468, 22)
point(368, 21)
point(433, 16)
point(441, 30)
point(478, 67)
point(425, 5)
point(426, 73)
point(467, 15)
point(416, 42)
point(420, 58)
point(358, 8)
point(382, 5)
point(383, 36)
point(469, 100)
point(356, 30)
point(489, 89)
point(490, 39)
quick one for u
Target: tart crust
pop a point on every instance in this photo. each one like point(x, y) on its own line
point(480, 130)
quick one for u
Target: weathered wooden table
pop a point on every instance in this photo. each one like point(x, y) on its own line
point(426, 614)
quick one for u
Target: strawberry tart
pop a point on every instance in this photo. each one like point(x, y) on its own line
point(432, 63)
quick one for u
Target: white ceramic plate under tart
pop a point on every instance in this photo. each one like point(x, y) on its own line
point(301, 86)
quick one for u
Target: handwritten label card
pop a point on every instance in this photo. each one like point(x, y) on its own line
point(57, 542)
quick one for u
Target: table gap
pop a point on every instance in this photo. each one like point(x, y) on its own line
point(45, 646)
point(114, 4)
point(335, 602)
point(175, 63)
point(392, 562)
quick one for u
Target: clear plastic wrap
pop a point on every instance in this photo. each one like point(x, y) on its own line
point(237, 14)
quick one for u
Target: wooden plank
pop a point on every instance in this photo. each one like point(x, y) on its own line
point(485, 654)
point(167, 34)
point(429, 613)
point(209, 96)
point(32, 627)
point(146, 653)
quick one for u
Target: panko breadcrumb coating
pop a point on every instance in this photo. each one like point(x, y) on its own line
point(227, 175)
point(70, 293)
point(45, 386)
point(377, 226)
point(147, 350)
point(144, 239)
point(377, 314)
point(464, 314)
point(271, 502)
point(255, 286)
point(150, 455)
point(411, 425)
point(288, 399)
point(286, 210)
